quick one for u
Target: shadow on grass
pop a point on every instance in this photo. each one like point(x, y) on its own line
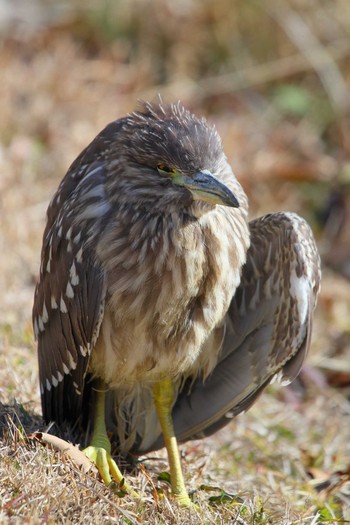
point(20, 417)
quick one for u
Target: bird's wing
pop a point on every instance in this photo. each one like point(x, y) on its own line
point(69, 298)
point(268, 328)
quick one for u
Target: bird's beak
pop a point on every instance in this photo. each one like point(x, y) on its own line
point(205, 187)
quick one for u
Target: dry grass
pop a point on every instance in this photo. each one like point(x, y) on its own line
point(66, 72)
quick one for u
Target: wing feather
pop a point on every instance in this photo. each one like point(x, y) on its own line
point(70, 295)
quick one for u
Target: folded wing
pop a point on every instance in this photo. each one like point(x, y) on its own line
point(268, 328)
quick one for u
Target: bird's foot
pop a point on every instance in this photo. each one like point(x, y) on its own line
point(185, 501)
point(109, 470)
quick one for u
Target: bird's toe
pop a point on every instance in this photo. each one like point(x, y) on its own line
point(109, 470)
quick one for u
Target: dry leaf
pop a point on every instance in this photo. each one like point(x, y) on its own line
point(67, 449)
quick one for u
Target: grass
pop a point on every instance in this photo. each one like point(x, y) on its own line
point(65, 74)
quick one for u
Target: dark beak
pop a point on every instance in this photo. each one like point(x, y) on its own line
point(205, 187)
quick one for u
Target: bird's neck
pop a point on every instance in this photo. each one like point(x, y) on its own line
point(156, 221)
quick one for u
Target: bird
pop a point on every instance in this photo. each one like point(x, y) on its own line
point(161, 311)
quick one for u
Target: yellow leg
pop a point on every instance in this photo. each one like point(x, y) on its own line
point(163, 394)
point(99, 452)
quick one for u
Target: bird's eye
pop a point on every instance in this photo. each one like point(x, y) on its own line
point(163, 168)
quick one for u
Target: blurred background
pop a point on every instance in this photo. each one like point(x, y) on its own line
point(274, 77)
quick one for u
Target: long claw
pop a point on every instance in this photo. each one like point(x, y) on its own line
point(98, 456)
point(108, 469)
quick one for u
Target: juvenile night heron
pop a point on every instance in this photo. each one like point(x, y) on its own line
point(160, 311)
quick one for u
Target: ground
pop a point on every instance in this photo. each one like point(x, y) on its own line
point(67, 70)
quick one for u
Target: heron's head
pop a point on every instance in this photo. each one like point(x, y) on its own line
point(171, 158)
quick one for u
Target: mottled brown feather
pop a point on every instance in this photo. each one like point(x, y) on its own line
point(259, 341)
point(139, 281)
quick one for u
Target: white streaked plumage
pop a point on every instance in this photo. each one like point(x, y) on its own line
point(153, 281)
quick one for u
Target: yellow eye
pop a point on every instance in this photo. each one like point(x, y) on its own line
point(163, 168)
